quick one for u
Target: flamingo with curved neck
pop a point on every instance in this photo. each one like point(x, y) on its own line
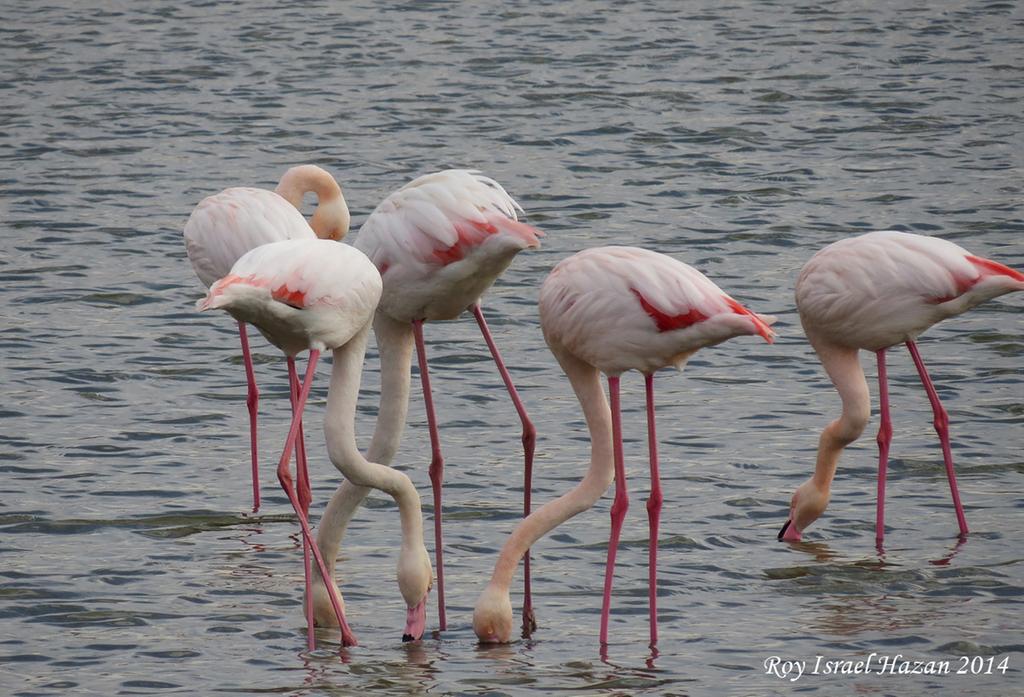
point(439, 243)
point(609, 310)
point(225, 226)
point(330, 219)
point(872, 292)
point(318, 295)
point(415, 575)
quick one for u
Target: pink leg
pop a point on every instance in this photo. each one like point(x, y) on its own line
point(942, 428)
point(304, 493)
point(619, 506)
point(436, 468)
point(253, 402)
point(884, 439)
point(529, 444)
point(653, 509)
point(301, 466)
point(284, 476)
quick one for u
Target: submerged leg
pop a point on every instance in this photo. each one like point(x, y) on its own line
point(619, 506)
point(653, 509)
point(884, 438)
point(529, 444)
point(252, 401)
point(436, 468)
point(284, 476)
point(304, 494)
point(942, 428)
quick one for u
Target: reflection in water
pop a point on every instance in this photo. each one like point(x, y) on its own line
point(945, 560)
point(855, 615)
point(904, 593)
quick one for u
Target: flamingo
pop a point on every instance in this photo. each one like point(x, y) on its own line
point(873, 292)
point(609, 310)
point(318, 295)
point(439, 243)
point(225, 226)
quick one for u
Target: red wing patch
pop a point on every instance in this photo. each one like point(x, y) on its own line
point(666, 322)
point(762, 327)
point(295, 298)
point(987, 267)
point(470, 235)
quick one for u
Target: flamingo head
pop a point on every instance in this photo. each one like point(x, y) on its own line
point(324, 614)
point(331, 219)
point(415, 577)
point(492, 616)
point(808, 503)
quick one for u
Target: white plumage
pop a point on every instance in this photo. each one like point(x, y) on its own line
point(300, 294)
point(623, 308)
point(884, 288)
point(440, 242)
point(225, 226)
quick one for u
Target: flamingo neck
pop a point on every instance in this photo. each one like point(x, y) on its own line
point(395, 344)
point(339, 432)
point(585, 380)
point(844, 369)
point(331, 218)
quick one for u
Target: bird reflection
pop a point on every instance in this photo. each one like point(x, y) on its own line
point(901, 601)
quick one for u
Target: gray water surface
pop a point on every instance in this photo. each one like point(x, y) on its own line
point(739, 137)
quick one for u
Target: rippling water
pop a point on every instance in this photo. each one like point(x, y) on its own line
point(740, 137)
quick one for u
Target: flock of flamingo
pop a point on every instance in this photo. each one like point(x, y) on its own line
point(430, 250)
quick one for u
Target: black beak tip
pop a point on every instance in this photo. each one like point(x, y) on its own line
point(408, 637)
point(785, 527)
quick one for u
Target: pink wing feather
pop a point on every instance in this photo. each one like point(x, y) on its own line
point(438, 219)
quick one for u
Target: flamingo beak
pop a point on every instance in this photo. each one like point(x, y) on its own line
point(416, 622)
point(789, 532)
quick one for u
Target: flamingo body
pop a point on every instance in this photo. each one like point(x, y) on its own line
point(225, 226)
point(625, 308)
point(885, 288)
point(440, 242)
point(300, 294)
point(872, 292)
